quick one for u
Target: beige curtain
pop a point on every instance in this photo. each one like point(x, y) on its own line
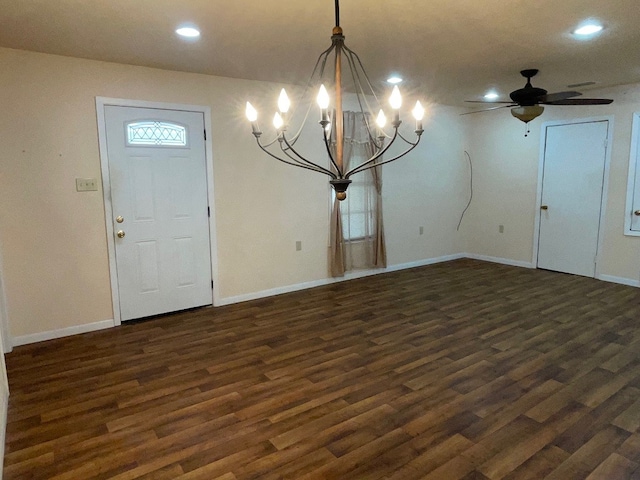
point(337, 257)
point(337, 254)
point(357, 230)
point(379, 246)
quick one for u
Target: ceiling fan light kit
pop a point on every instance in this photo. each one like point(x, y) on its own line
point(527, 113)
point(282, 147)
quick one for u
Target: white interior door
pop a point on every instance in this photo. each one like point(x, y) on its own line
point(157, 172)
point(572, 185)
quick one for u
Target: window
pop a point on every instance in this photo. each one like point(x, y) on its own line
point(632, 212)
point(357, 210)
point(156, 133)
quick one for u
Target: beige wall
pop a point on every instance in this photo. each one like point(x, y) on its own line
point(428, 190)
point(506, 176)
point(54, 239)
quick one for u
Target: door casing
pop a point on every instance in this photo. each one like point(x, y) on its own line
point(101, 103)
point(605, 186)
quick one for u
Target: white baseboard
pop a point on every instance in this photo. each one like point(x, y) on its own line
point(504, 261)
point(327, 281)
point(422, 263)
point(516, 263)
point(63, 332)
point(621, 280)
point(4, 408)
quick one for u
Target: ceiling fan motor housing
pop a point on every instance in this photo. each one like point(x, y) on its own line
point(528, 95)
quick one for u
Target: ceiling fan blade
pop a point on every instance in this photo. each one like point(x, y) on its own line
point(485, 101)
point(487, 109)
point(552, 97)
point(581, 101)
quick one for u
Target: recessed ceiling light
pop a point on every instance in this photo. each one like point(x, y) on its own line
point(394, 79)
point(189, 32)
point(588, 29)
point(491, 96)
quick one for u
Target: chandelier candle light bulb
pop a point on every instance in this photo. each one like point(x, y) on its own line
point(332, 123)
point(395, 100)
point(418, 114)
point(283, 106)
point(252, 116)
point(283, 101)
point(278, 122)
point(381, 121)
point(323, 103)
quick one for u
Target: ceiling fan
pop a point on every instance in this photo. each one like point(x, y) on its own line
point(527, 101)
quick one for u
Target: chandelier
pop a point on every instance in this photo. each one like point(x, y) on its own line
point(356, 81)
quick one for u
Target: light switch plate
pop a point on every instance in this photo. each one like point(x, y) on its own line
point(86, 184)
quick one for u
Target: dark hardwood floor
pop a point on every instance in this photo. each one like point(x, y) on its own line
point(462, 370)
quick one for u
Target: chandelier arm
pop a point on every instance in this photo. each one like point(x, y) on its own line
point(313, 166)
point(305, 164)
point(294, 139)
point(353, 57)
point(359, 169)
point(355, 74)
point(326, 54)
point(291, 163)
point(267, 145)
point(297, 160)
point(333, 162)
point(373, 158)
point(408, 141)
point(320, 62)
point(360, 94)
point(364, 73)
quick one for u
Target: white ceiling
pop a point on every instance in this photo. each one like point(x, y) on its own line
point(448, 50)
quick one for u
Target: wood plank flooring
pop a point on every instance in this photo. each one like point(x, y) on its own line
point(458, 371)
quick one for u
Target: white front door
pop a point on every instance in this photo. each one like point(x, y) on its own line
point(572, 185)
point(158, 182)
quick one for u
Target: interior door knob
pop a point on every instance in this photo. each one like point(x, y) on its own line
point(544, 207)
point(120, 233)
point(637, 213)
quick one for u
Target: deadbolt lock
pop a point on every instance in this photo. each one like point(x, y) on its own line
point(119, 219)
point(120, 233)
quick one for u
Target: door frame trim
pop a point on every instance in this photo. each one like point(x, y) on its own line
point(101, 103)
point(605, 182)
point(634, 165)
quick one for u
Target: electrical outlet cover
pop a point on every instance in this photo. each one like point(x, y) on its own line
point(86, 184)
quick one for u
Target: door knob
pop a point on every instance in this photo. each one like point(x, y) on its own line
point(120, 233)
point(119, 219)
point(544, 207)
point(637, 213)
